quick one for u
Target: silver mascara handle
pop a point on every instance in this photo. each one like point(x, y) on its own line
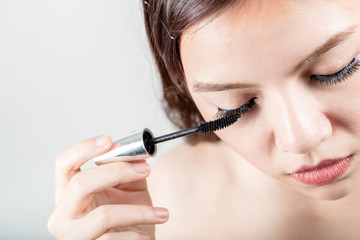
point(130, 148)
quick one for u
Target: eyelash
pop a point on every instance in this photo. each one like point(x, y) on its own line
point(330, 79)
point(339, 76)
point(241, 110)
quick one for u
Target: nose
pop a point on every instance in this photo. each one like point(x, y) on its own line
point(300, 125)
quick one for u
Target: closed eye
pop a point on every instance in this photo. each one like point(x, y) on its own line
point(241, 110)
point(339, 76)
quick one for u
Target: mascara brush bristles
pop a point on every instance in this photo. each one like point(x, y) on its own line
point(218, 124)
point(202, 128)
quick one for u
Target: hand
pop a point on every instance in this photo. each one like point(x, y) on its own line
point(110, 201)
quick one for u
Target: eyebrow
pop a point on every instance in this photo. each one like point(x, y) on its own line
point(216, 87)
point(332, 42)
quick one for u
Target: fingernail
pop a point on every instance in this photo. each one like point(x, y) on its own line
point(101, 141)
point(161, 213)
point(141, 167)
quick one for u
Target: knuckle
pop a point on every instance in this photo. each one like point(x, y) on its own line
point(51, 226)
point(77, 183)
point(84, 146)
point(102, 216)
point(59, 160)
point(145, 213)
point(82, 150)
point(119, 169)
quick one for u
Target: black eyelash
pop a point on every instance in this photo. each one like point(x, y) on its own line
point(340, 76)
point(330, 79)
point(241, 110)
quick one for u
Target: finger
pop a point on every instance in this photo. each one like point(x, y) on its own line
point(136, 197)
point(105, 217)
point(79, 191)
point(132, 186)
point(124, 236)
point(68, 162)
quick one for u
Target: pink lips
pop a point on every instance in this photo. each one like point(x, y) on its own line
point(325, 172)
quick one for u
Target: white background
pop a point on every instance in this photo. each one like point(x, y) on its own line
point(69, 70)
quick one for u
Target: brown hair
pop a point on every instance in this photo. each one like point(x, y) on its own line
point(172, 17)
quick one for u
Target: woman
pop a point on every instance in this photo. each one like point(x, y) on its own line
point(288, 169)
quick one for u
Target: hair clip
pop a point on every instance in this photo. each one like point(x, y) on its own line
point(162, 22)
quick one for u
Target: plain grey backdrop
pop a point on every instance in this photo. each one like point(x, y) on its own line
point(69, 70)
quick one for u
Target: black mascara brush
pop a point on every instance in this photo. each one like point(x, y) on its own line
point(142, 144)
point(201, 128)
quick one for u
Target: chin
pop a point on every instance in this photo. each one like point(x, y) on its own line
point(330, 192)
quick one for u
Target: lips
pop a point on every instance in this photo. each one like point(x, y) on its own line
point(325, 172)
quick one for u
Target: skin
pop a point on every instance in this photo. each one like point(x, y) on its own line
point(296, 122)
point(238, 188)
point(107, 200)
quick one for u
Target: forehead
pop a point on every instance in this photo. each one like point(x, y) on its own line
point(272, 34)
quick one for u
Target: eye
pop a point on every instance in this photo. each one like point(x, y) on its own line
point(339, 76)
point(241, 110)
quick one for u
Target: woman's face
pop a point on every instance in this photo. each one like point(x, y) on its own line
point(297, 61)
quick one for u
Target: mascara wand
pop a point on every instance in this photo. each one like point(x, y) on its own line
point(142, 144)
point(202, 128)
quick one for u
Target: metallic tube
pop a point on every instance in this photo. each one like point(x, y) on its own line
point(133, 147)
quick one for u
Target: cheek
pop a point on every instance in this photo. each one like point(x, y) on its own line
point(344, 106)
point(249, 141)
point(350, 117)
point(354, 111)
point(250, 144)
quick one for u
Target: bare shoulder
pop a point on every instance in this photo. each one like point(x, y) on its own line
point(177, 167)
point(183, 152)
point(189, 180)
point(180, 180)
point(180, 166)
